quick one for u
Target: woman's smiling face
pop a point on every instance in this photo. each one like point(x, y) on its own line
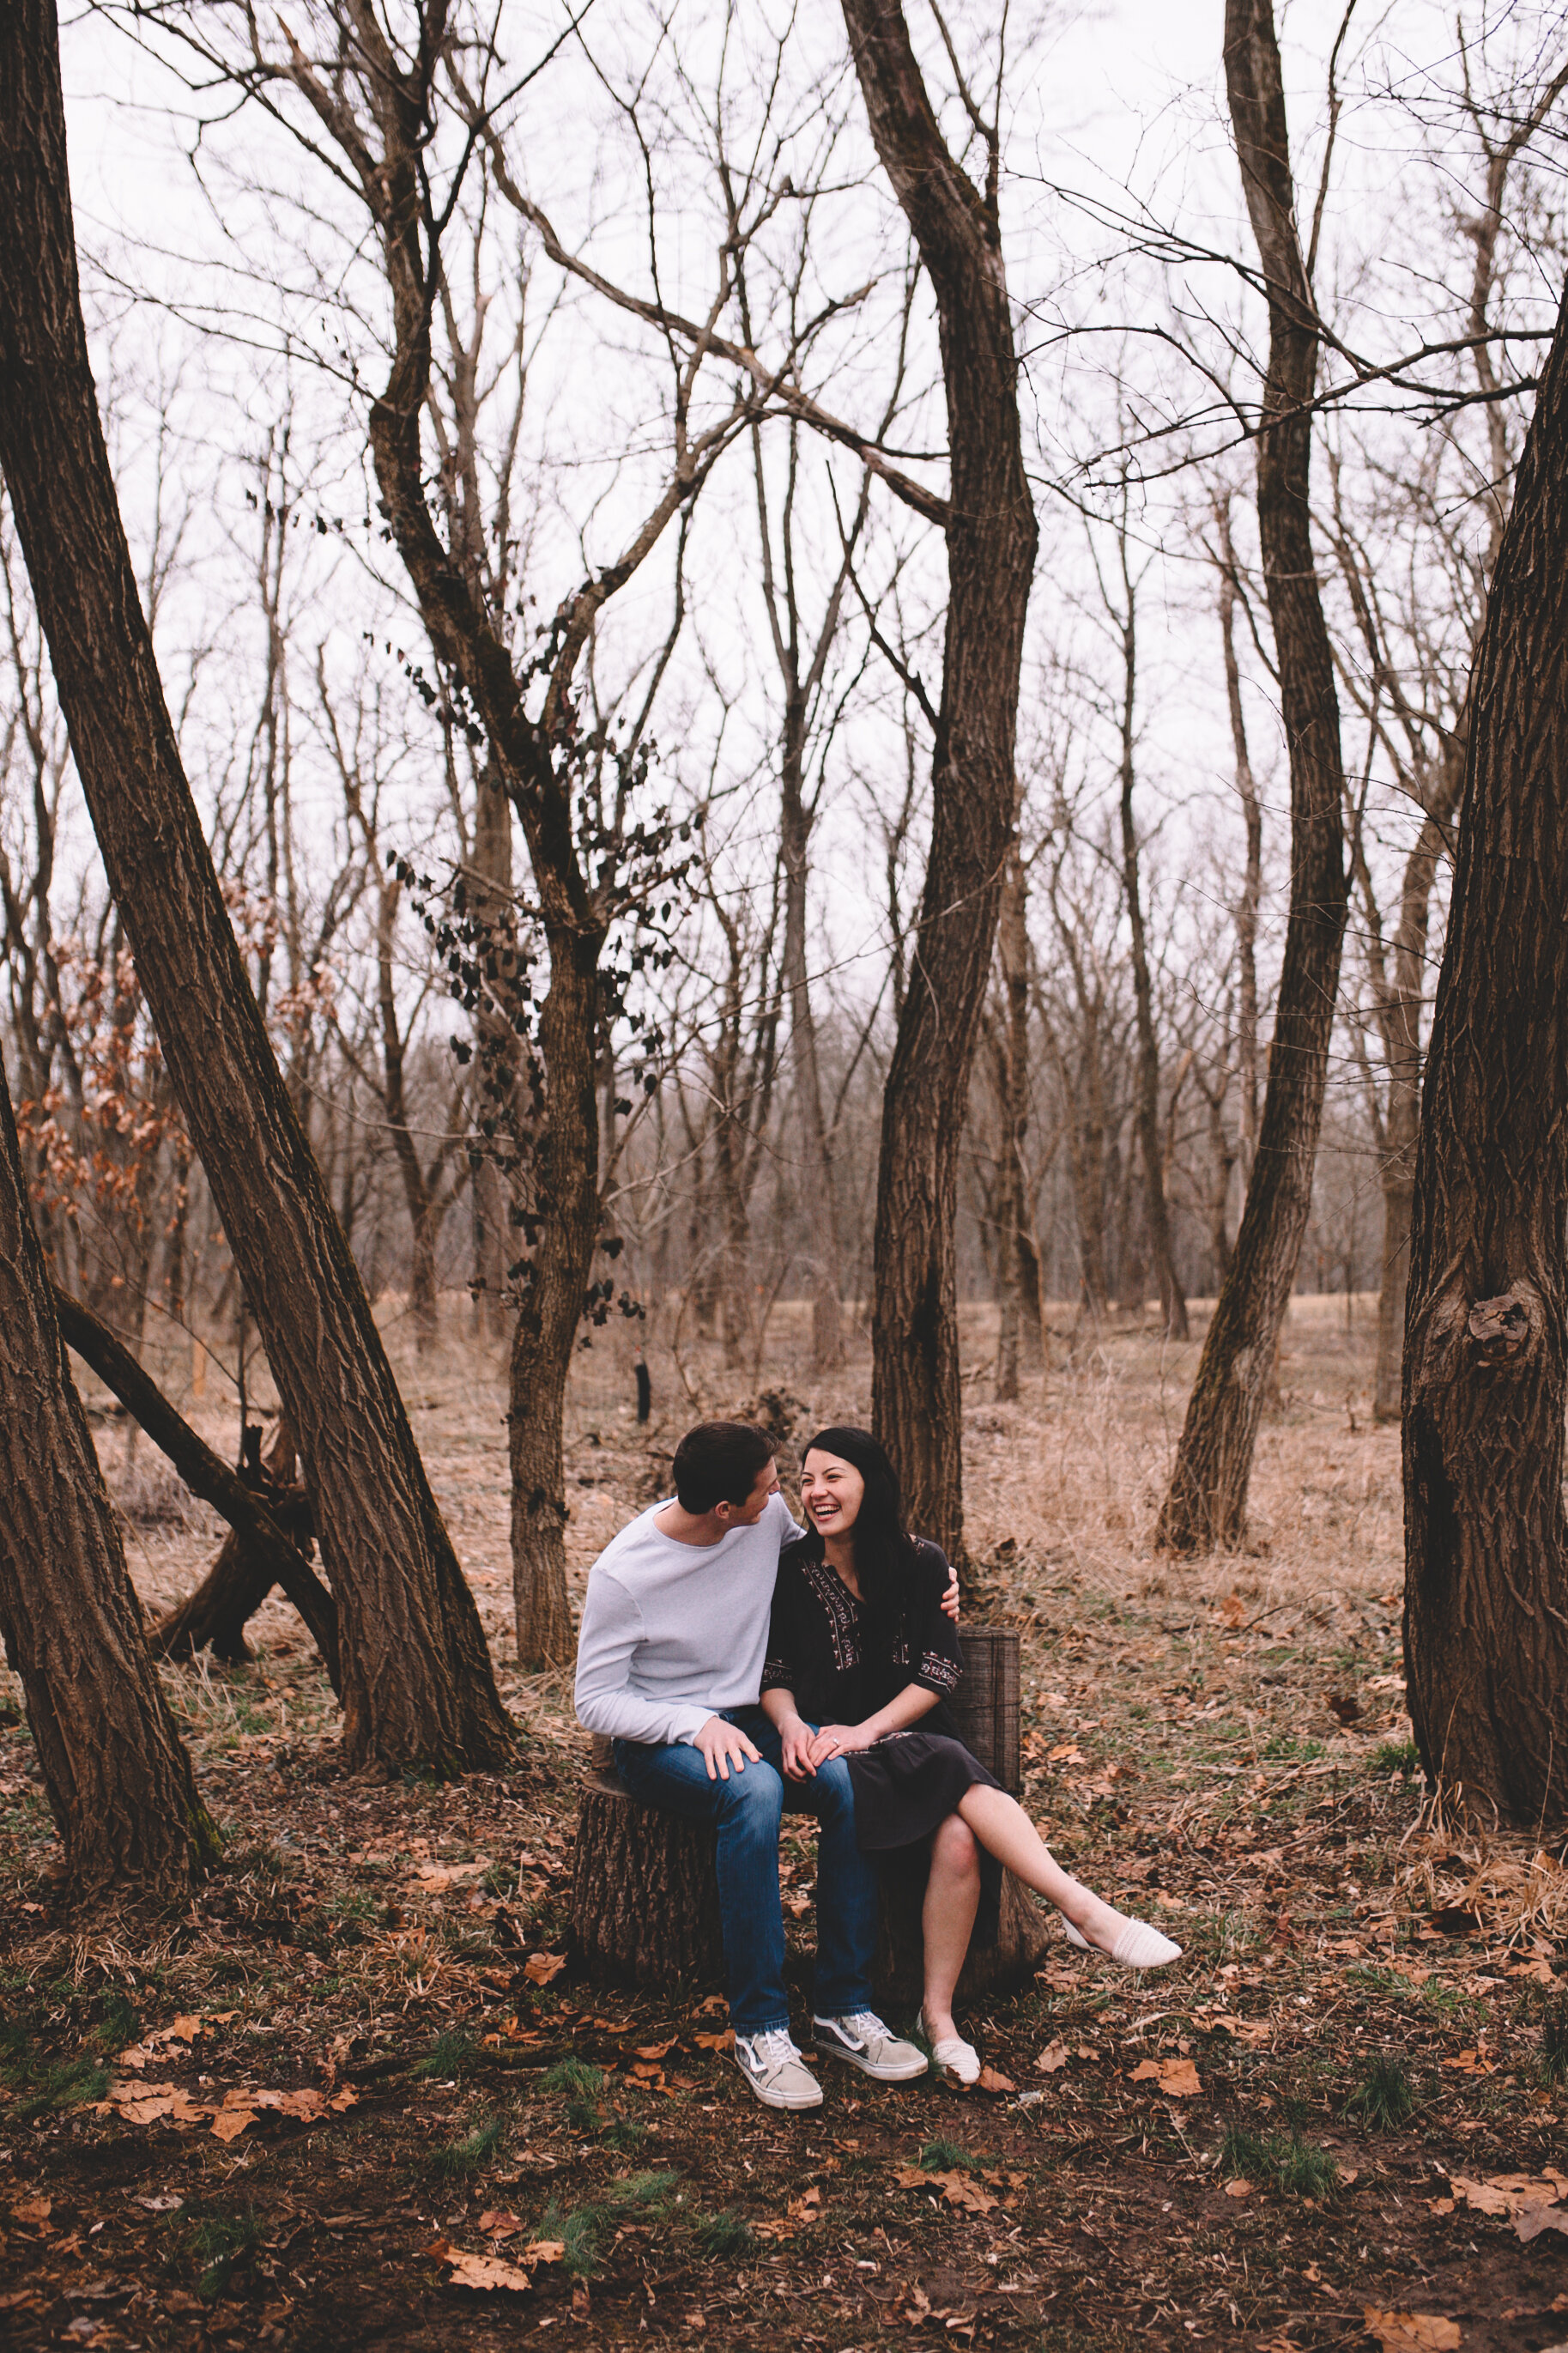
point(831, 1492)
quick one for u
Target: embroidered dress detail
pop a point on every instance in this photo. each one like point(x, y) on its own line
point(939, 1673)
point(841, 1610)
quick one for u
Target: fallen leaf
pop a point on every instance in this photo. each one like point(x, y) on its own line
point(960, 2189)
point(1412, 2332)
point(1178, 2077)
point(807, 2207)
point(1233, 1609)
point(497, 2225)
point(991, 2080)
point(1508, 2193)
point(1530, 2222)
point(229, 2122)
point(915, 2307)
point(1537, 1966)
point(724, 2042)
point(34, 2212)
point(187, 2028)
point(1053, 2057)
point(546, 2251)
point(1238, 2188)
point(656, 2049)
point(1347, 1709)
point(484, 2272)
point(1064, 1752)
point(540, 1969)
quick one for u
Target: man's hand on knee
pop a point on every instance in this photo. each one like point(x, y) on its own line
point(722, 1745)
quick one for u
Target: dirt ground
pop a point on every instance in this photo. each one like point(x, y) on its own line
point(361, 2078)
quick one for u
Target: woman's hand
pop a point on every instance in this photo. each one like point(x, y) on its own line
point(839, 1740)
point(950, 1593)
point(795, 1738)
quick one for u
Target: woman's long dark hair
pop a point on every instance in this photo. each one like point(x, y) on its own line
point(884, 1549)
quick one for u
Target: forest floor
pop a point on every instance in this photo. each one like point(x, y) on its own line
point(361, 2076)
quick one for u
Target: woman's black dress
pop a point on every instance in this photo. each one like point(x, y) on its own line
point(842, 1667)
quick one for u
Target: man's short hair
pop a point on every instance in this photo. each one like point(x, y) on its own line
point(718, 1462)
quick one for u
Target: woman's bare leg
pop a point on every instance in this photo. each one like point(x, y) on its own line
point(947, 1920)
point(1005, 1830)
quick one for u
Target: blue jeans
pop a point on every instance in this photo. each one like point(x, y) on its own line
point(746, 1810)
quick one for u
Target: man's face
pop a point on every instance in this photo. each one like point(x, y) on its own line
point(747, 1514)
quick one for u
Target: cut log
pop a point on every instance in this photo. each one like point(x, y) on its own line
point(645, 1897)
point(985, 1705)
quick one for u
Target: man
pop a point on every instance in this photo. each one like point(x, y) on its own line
point(669, 1664)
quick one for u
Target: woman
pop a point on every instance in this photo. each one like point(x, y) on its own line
point(859, 1648)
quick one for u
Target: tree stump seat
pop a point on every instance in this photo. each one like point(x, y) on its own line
point(645, 1894)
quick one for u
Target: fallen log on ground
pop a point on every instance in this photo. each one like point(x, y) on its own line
point(261, 1548)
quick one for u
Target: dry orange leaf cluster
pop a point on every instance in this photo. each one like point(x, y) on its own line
point(465, 2269)
point(1530, 2203)
point(1412, 2332)
point(960, 2189)
point(148, 2104)
point(541, 1968)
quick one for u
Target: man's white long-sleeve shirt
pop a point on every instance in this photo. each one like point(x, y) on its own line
point(673, 1633)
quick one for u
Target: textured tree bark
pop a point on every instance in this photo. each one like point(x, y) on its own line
point(645, 1900)
point(119, 1781)
point(417, 1684)
point(1207, 1505)
point(1486, 1342)
point(215, 1616)
point(992, 537)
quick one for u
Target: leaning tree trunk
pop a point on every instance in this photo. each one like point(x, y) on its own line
point(117, 1777)
point(417, 1682)
point(1019, 1296)
point(263, 1550)
point(1208, 1502)
point(215, 1616)
point(992, 537)
point(1485, 1342)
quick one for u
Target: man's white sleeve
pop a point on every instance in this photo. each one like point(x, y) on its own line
point(611, 1632)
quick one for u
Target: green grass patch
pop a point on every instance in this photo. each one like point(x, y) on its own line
point(1390, 1758)
point(220, 2245)
point(1384, 2098)
point(460, 2161)
point(454, 2053)
point(1277, 2161)
point(644, 2197)
point(726, 2237)
point(946, 2156)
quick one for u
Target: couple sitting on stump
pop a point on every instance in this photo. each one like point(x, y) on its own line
point(742, 1664)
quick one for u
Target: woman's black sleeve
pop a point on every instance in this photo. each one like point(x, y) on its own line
point(936, 1660)
point(782, 1667)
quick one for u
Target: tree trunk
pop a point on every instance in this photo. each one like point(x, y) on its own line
point(992, 537)
point(555, 1283)
point(1173, 1299)
point(794, 840)
point(1020, 1316)
point(1247, 906)
point(1208, 1502)
point(1401, 1018)
point(1486, 1380)
point(417, 1682)
point(118, 1778)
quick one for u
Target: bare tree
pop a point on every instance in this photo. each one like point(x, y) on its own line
point(1486, 1373)
point(992, 537)
point(416, 1674)
point(118, 1782)
point(1207, 1505)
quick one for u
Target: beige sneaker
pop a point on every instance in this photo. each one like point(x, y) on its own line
point(862, 2040)
point(775, 2070)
